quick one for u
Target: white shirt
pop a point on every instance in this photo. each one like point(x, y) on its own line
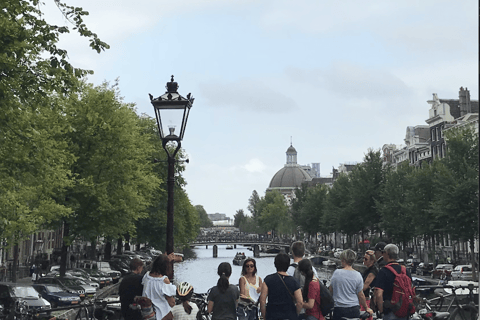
point(156, 290)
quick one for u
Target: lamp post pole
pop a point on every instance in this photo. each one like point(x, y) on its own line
point(171, 110)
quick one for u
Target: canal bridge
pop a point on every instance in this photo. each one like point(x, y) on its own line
point(258, 245)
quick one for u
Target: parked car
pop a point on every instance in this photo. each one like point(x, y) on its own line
point(120, 265)
point(12, 293)
point(65, 282)
point(462, 272)
point(105, 267)
point(424, 268)
point(98, 276)
point(442, 271)
point(56, 295)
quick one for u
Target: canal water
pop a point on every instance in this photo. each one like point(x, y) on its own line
point(201, 271)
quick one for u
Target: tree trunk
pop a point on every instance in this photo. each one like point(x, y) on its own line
point(15, 262)
point(63, 254)
point(119, 246)
point(108, 251)
point(474, 263)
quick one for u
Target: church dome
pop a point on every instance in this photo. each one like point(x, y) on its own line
point(289, 177)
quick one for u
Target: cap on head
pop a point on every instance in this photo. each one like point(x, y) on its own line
point(380, 246)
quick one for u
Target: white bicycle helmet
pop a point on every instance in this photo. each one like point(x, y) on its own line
point(184, 288)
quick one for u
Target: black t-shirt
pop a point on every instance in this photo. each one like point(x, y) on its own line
point(385, 279)
point(130, 287)
point(373, 269)
point(280, 302)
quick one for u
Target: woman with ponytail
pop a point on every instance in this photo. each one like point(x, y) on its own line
point(311, 291)
point(184, 310)
point(222, 299)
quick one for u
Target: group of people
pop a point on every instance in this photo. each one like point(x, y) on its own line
point(293, 292)
point(353, 292)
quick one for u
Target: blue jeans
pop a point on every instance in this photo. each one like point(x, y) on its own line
point(392, 316)
point(351, 312)
point(244, 313)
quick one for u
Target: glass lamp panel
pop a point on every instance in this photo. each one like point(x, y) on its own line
point(170, 121)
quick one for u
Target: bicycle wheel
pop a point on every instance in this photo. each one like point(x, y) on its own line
point(464, 313)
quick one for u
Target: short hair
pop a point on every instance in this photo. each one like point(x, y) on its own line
point(392, 251)
point(349, 256)
point(298, 249)
point(135, 263)
point(160, 264)
point(282, 262)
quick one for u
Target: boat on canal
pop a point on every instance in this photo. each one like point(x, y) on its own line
point(239, 259)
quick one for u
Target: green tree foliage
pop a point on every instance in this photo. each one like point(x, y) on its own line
point(456, 202)
point(338, 205)
point(239, 217)
point(252, 204)
point(34, 160)
point(310, 208)
point(204, 220)
point(366, 184)
point(113, 168)
point(396, 217)
point(273, 213)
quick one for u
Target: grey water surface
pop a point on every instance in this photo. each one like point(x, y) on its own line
point(201, 271)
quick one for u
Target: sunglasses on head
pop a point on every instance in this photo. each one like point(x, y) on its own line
point(370, 252)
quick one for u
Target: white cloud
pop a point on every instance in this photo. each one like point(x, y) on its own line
point(254, 165)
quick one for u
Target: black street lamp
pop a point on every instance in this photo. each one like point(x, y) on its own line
point(171, 111)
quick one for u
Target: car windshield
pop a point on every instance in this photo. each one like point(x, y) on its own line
point(69, 282)
point(54, 289)
point(25, 292)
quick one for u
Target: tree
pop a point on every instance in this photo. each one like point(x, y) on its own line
point(204, 220)
point(34, 163)
point(252, 204)
point(456, 203)
point(114, 180)
point(239, 218)
point(273, 213)
point(393, 206)
point(366, 184)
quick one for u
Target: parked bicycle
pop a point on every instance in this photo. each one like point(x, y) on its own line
point(200, 299)
point(460, 307)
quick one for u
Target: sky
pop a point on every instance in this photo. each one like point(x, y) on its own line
point(335, 78)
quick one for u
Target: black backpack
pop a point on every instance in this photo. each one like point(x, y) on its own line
point(326, 299)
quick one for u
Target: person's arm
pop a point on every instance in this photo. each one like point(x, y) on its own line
point(210, 306)
point(363, 302)
point(259, 289)
point(171, 301)
point(309, 304)
point(298, 297)
point(368, 281)
point(379, 299)
point(263, 300)
point(241, 284)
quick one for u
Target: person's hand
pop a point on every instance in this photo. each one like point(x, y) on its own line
point(370, 311)
point(259, 289)
point(171, 256)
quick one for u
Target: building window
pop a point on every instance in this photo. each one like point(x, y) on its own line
point(443, 149)
point(433, 134)
point(438, 133)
